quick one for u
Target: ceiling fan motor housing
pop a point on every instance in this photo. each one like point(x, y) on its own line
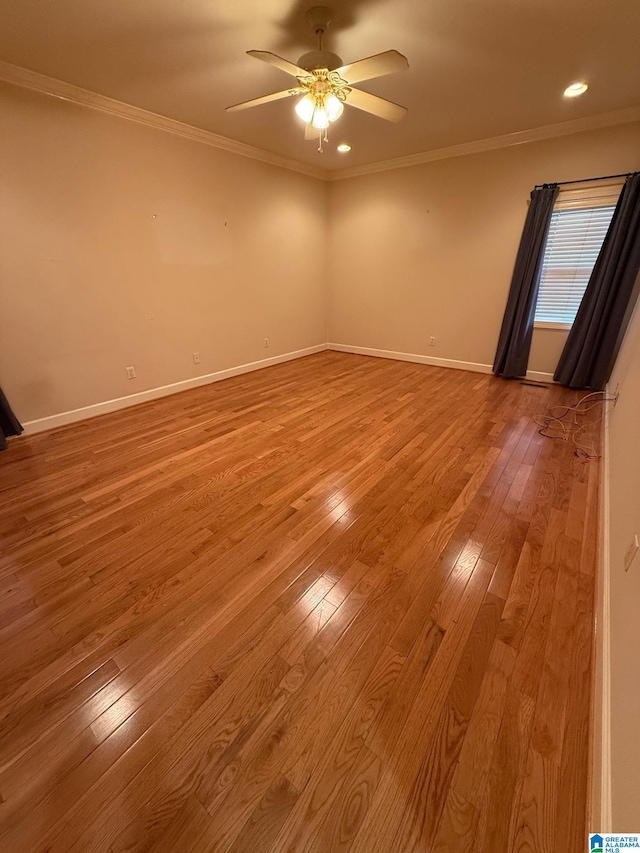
point(320, 59)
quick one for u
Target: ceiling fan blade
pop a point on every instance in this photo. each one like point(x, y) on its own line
point(279, 62)
point(265, 99)
point(375, 105)
point(374, 66)
point(311, 132)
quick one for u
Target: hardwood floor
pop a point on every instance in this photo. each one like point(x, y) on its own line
point(341, 604)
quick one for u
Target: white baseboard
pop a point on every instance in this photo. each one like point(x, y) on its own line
point(538, 376)
point(409, 356)
point(63, 418)
point(473, 366)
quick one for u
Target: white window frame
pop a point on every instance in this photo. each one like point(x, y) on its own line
point(603, 194)
point(546, 324)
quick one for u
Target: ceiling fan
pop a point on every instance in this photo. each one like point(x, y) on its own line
point(325, 85)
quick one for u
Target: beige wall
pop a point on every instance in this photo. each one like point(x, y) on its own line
point(624, 523)
point(124, 245)
point(429, 250)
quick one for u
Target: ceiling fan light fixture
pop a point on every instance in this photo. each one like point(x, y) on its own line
point(320, 118)
point(305, 108)
point(334, 107)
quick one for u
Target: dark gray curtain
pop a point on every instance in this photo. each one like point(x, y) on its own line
point(514, 344)
point(9, 424)
point(597, 332)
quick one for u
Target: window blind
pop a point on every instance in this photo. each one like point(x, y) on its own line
point(573, 243)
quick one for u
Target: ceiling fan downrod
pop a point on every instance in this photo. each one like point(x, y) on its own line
point(319, 18)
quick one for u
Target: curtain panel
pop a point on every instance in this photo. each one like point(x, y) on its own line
point(514, 343)
point(9, 424)
point(604, 313)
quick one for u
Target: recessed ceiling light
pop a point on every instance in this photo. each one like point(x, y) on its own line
point(344, 148)
point(575, 89)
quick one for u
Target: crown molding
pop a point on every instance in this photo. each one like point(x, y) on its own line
point(67, 91)
point(520, 137)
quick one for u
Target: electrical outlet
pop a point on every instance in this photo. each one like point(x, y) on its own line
point(196, 358)
point(266, 342)
point(131, 373)
point(632, 550)
point(432, 341)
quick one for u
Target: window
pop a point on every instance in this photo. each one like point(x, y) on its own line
point(579, 223)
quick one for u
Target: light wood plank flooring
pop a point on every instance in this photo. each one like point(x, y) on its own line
point(341, 604)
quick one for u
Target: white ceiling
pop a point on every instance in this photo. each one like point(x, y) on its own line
point(478, 68)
